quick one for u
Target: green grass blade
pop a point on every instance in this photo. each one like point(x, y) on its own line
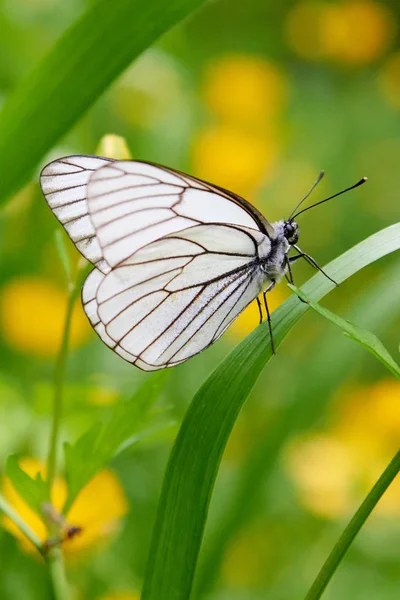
point(197, 453)
point(303, 401)
point(361, 336)
point(83, 63)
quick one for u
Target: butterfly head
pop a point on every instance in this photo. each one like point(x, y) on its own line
point(291, 232)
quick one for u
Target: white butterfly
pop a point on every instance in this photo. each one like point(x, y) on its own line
point(176, 259)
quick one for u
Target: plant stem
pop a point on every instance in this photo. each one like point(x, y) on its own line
point(59, 374)
point(15, 518)
point(352, 529)
point(54, 556)
point(59, 582)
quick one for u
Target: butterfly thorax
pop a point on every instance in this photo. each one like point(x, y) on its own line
point(275, 262)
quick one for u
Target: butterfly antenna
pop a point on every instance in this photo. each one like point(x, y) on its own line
point(320, 176)
point(352, 187)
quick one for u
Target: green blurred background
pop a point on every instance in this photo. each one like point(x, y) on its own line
point(257, 97)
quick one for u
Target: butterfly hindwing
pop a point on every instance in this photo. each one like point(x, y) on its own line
point(176, 296)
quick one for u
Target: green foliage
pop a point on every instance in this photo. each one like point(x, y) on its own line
point(130, 421)
point(59, 237)
point(197, 453)
point(362, 336)
point(88, 57)
point(310, 396)
point(32, 490)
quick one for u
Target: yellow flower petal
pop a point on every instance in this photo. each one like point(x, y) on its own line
point(353, 33)
point(357, 32)
point(250, 317)
point(321, 468)
point(334, 470)
point(32, 314)
point(97, 510)
point(244, 89)
point(233, 158)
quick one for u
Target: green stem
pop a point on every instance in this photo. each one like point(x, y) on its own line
point(59, 374)
point(352, 529)
point(59, 581)
point(54, 556)
point(15, 518)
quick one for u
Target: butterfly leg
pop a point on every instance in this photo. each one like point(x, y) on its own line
point(289, 275)
point(259, 309)
point(271, 336)
point(311, 261)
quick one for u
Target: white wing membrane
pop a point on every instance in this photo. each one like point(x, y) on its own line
point(176, 296)
point(175, 257)
point(64, 185)
point(131, 204)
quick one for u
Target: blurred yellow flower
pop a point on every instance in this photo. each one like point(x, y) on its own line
point(323, 474)
point(246, 557)
point(244, 89)
point(356, 32)
point(389, 80)
point(250, 317)
point(233, 158)
point(97, 510)
point(32, 314)
point(102, 395)
point(114, 146)
point(353, 32)
point(334, 470)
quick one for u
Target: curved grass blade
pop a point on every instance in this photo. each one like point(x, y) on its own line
point(198, 450)
point(303, 401)
point(82, 64)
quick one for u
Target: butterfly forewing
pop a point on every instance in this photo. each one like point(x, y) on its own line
point(64, 185)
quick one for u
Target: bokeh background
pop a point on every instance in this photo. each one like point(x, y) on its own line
point(255, 96)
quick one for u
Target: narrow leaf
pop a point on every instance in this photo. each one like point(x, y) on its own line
point(130, 421)
point(32, 490)
point(361, 336)
point(197, 453)
point(83, 63)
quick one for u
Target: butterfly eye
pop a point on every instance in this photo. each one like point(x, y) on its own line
point(291, 232)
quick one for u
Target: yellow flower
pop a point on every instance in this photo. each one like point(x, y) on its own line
point(102, 395)
point(358, 32)
point(250, 317)
point(244, 89)
point(233, 158)
point(113, 146)
point(389, 80)
point(97, 510)
point(353, 33)
point(32, 313)
point(323, 474)
point(334, 470)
